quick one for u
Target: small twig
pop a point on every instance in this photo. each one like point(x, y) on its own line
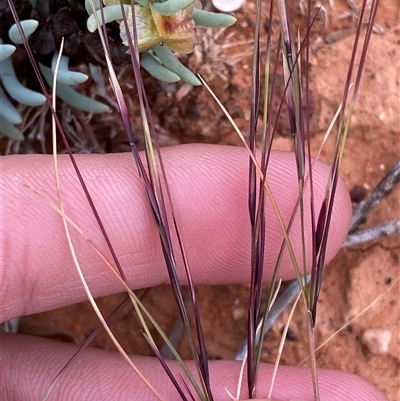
point(386, 229)
point(384, 187)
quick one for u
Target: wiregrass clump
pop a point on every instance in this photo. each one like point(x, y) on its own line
point(290, 52)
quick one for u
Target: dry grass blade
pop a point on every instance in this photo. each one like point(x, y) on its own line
point(320, 226)
point(134, 298)
point(75, 258)
point(278, 306)
point(324, 218)
point(281, 344)
point(152, 180)
point(257, 220)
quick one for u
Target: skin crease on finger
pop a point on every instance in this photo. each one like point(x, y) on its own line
point(209, 189)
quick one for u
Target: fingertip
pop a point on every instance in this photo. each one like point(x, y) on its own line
point(99, 375)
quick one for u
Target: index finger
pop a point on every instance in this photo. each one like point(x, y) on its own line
point(209, 191)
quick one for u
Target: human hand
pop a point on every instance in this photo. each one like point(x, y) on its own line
point(209, 189)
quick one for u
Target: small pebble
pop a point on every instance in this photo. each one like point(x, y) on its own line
point(238, 313)
point(357, 194)
point(376, 340)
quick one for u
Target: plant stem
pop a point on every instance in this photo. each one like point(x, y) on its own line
point(311, 342)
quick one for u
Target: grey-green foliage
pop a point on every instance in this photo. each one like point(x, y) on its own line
point(165, 58)
point(9, 115)
point(13, 88)
point(159, 60)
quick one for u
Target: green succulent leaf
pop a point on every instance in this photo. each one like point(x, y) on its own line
point(7, 129)
point(28, 26)
point(156, 69)
point(15, 89)
point(110, 13)
point(170, 7)
point(8, 110)
point(6, 51)
point(168, 59)
point(71, 96)
point(213, 20)
point(64, 75)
